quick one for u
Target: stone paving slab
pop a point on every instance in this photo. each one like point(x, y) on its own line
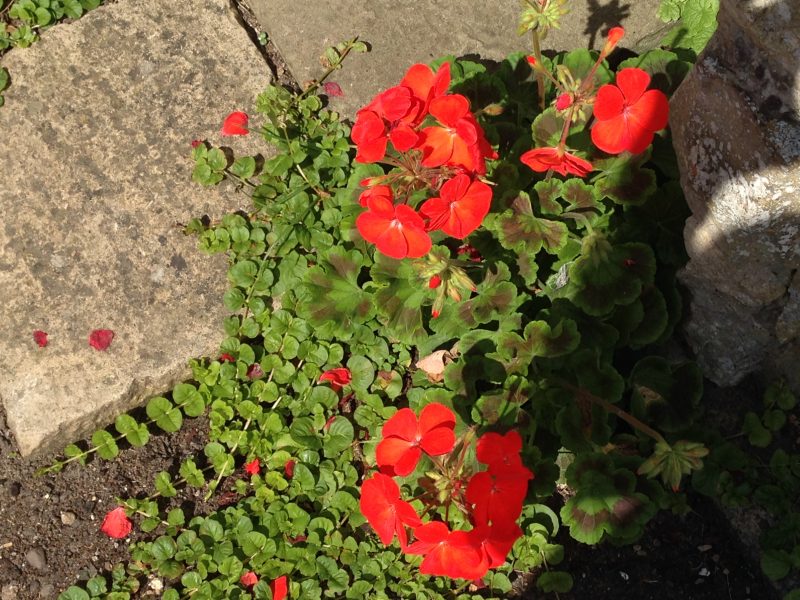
point(403, 32)
point(95, 167)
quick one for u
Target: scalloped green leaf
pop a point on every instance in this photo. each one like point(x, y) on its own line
point(623, 179)
point(399, 299)
point(331, 299)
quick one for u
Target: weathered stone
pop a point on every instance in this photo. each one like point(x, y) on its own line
point(736, 129)
point(97, 128)
point(404, 32)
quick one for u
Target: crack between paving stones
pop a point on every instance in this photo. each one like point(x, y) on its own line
point(245, 16)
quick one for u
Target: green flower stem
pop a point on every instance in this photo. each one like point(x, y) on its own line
point(605, 404)
point(241, 180)
point(334, 67)
point(213, 486)
point(537, 54)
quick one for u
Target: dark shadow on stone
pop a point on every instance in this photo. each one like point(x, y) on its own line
point(603, 17)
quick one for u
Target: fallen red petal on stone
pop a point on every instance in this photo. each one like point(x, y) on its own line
point(100, 339)
point(235, 124)
point(40, 337)
point(332, 89)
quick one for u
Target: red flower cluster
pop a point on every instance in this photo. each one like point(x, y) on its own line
point(492, 499)
point(443, 140)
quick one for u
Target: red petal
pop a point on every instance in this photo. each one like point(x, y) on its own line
point(391, 451)
point(437, 211)
point(441, 80)
point(427, 536)
point(253, 467)
point(40, 337)
point(402, 424)
point(419, 78)
point(608, 103)
point(372, 226)
point(457, 557)
point(438, 441)
point(632, 82)
point(368, 127)
point(288, 468)
point(437, 146)
point(577, 166)
point(403, 138)
point(418, 242)
point(408, 216)
point(651, 112)
point(396, 102)
point(100, 339)
point(279, 588)
point(436, 415)
point(341, 376)
point(540, 159)
point(248, 579)
point(332, 89)
point(235, 124)
point(468, 213)
point(449, 109)
point(116, 524)
point(611, 136)
point(495, 448)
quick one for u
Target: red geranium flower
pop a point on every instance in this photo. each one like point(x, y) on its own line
point(379, 191)
point(460, 142)
point(100, 339)
point(448, 554)
point(390, 116)
point(253, 467)
point(235, 124)
point(338, 378)
point(279, 588)
point(627, 114)
point(460, 208)
point(288, 468)
point(249, 579)
point(498, 450)
point(397, 231)
point(498, 494)
point(116, 524)
point(40, 337)
point(405, 437)
point(382, 507)
point(496, 540)
point(427, 85)
point(544, 159)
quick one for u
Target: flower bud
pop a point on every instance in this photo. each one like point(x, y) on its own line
point(564, 101)
point(615, 35)
point(435, 282)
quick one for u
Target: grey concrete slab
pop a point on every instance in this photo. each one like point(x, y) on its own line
point(403, 32)
point(95, 174)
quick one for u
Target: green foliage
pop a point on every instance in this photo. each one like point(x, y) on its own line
point(695, 22)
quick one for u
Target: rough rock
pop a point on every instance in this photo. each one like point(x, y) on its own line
point(35, 557)
point(96, 134)
point(403, 32)
point(736, 129)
